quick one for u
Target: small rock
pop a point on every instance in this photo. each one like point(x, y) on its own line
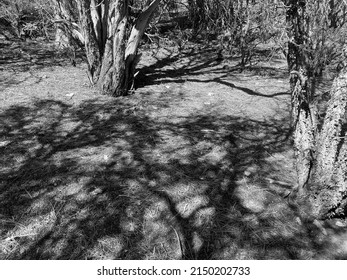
point(286, 193)
point(320, 227)
point(96, 191)
point(106, 158)
point(340, 224)
point(298, 220)
point(70, 95)
point(4, 143)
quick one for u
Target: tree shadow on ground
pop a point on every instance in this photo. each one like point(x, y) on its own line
point(196, 61)
point(107, 180)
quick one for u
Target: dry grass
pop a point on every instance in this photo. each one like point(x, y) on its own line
point(196, 165)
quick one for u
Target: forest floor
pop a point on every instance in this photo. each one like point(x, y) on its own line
point(196, 164)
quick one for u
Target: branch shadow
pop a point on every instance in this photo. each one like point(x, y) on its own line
point(105, 180)
point(192, 64)
point(196, 61)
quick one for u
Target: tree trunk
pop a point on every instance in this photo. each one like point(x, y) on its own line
point(321, 156)
point(304, 127)
point(328, 186)
point(91, 44)
point(303, 114)
point(112, 79)
point(68, 32)
point(200, 4)
point(120, 58)
point(197, 14)
point(136, 34)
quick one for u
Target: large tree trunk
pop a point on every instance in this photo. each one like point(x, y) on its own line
point(328, 186)
point(120, 57)
point(321, 156)
point(303, 114)
point(112, 79)
point(304, 127)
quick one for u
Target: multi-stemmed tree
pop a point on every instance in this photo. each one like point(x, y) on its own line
point(110, 43)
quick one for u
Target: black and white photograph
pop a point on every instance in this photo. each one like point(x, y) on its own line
point(173, 130)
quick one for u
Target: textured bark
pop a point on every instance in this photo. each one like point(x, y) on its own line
point(68, 32)
point(117, 71)
point(304, 130)
point(112, 76)
point(97, 10)
point(134, 40)
point(328, 187)
point(91, 44)
point(297, 31)
point(321, 156)
point(303, 114)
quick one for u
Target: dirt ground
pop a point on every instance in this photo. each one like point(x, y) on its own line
point(196, 164)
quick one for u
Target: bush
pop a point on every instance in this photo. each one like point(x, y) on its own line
point(26, 18)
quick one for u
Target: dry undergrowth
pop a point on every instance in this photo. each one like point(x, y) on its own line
point(196, 165)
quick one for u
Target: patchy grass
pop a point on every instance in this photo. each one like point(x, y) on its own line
point(197, 164)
